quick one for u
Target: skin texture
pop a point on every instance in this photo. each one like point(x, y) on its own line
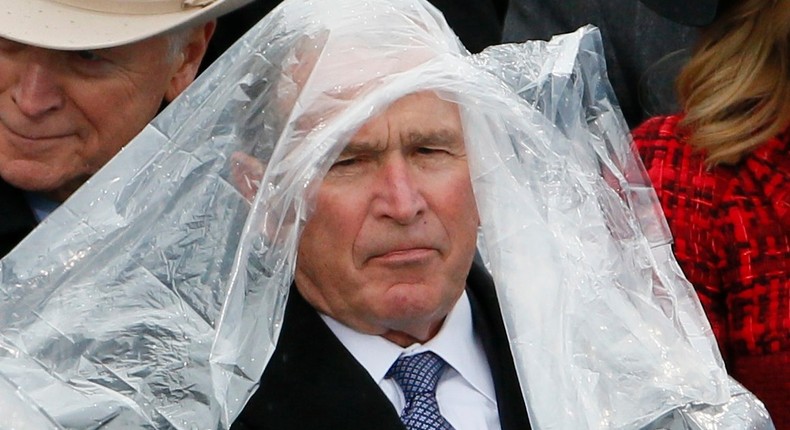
point(392, 238)
point(64, 114)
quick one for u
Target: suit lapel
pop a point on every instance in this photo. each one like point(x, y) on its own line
point(313, 382)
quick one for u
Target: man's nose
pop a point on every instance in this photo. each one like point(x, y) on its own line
point(37, 90)
point(400, 196)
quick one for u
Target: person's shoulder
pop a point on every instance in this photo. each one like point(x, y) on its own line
point(657, 128)
point(660, 138)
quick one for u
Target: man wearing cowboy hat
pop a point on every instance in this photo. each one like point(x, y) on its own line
point(78, 80)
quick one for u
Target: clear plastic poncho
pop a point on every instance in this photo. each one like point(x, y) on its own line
point(153, 297)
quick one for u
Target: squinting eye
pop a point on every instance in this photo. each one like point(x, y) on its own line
point(91, 63)
point(89, 56)
point(348, 162)
point(353, 165)
point(424, 150)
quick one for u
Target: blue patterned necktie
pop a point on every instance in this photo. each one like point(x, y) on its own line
point(417, 375)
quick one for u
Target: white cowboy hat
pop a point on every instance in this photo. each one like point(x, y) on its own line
point(94, 24)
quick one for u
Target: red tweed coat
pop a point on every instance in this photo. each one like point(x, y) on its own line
point(731, 227)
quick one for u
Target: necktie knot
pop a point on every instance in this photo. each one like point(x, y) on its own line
point(417, 375)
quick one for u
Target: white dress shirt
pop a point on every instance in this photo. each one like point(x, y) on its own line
point(465, 392)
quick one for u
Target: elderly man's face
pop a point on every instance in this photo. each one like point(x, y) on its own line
point(392, 238)
point(64, 114)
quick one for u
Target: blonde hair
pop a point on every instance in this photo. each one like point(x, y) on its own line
point(735, 90)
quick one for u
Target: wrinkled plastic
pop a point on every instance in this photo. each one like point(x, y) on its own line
point(153, 298)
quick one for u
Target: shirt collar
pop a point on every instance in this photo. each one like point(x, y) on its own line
point(456, 342)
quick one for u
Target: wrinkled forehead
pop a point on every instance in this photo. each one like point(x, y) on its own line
point(420, 118)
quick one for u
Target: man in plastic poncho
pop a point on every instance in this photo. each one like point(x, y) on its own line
point(286, 244)
point(384, 259)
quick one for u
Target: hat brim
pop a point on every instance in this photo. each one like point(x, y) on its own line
point(53, 25)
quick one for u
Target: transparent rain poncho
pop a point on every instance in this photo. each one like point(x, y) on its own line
point(153, 298)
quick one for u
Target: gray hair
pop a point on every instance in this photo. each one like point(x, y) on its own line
point(177, 40)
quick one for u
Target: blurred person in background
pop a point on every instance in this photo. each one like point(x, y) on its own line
point(645, 42)
point(77, 82)
point(722, 172)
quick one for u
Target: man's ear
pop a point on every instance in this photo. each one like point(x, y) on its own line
point(187, 61)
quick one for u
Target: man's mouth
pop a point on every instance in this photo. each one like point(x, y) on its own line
point(34, 137)
point(404, 256)
point(31, 142)
point(30, 132)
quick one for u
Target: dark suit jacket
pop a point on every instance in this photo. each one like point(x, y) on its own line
point(313, 382)
point(16, 218)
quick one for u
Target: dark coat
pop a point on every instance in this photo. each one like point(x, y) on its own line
point(16, 217)
point(313, 382)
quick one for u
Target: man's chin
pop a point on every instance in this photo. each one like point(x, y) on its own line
point(412, 306)
point(415, 327)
